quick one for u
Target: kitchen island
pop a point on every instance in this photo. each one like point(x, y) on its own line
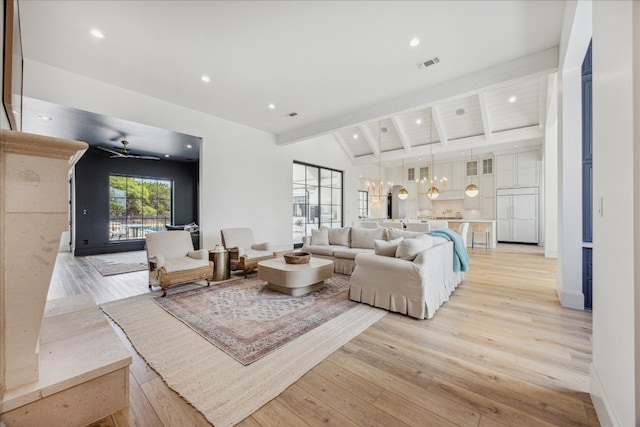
point(480, 238)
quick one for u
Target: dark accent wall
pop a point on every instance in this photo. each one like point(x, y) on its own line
point(92, 197)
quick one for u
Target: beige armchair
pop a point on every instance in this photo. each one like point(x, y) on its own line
point(173, 261)
point(244, 253)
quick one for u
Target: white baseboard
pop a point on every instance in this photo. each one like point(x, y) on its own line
point(606, 416)
point(571, 299)
point(550, 254)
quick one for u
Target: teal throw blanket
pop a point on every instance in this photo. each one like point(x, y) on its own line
point(460, 256)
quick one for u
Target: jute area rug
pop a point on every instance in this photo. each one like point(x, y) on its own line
point(119, 263)
point(249, 321)
point(221, 388)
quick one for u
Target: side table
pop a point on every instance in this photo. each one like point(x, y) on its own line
point(221, 265)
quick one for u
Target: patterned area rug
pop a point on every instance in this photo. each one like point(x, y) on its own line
point(125, 262)
point(248, 321)
point(216, 384)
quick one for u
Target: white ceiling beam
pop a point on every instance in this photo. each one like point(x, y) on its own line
point(437, 120)
point(484, 111)
point(364, 130)
point(401, 134)
point(538, 63)
point(542, 103)
point(501, 141)
point(552, 100)
point(345, 147)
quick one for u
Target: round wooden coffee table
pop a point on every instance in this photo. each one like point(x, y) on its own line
point(295, 279)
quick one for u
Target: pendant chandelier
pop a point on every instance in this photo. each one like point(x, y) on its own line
point(432, 190)
point(378, 187)
point(472, 190)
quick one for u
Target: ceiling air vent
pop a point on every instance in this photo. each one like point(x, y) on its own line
point(425, 64)
point(292, 114)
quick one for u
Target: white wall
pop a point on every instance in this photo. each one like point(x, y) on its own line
point(574, 43)
point(614, 379)
point(246, 179)
point(550, 165)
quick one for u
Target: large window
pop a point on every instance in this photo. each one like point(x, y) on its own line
point(317, 199)
point(363, 204)
point(138, 206)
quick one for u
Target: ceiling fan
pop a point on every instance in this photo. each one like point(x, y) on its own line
point(125, 153)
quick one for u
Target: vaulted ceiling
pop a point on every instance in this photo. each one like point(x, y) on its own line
point(342, 66)
point(491, 119)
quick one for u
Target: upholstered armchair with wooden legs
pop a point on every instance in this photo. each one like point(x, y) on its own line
point(173, 261)
point(244, 253)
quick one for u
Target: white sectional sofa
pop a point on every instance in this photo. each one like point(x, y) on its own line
point(406, 272)
point(416, 287)
point(341, 245)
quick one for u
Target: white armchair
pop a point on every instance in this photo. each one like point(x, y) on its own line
point(173, 261)
point(244, 253)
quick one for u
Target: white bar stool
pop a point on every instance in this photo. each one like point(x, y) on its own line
point(480, 228)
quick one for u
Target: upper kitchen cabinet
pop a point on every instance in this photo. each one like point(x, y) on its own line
point(517, 170)
point(453, 187)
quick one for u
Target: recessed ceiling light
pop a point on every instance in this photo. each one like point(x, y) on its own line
point(189, 146)
point(419, 121)
point(205, 78)
point(96, 33)
point(272, 106)
point(45, 118)
point(460, 111)
point(166, 155)
point(515, 145)
point(355, 136)
point(512, 99)
point(414, 42)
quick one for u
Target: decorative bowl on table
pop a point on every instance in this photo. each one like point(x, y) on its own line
point(297, 257)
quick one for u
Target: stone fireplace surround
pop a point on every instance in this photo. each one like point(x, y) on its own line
point(61, 362)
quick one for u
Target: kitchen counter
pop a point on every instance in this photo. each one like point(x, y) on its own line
point(480, 237)
point(474, 221)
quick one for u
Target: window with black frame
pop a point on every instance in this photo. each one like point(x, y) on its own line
point(317, 199)
point(363, 204)
point(138, 206)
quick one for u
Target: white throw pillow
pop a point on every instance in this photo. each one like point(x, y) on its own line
point(364, 237)
point(386, 248)
point(394, 233)
point(340, 236)
point(410, 248)
point(320, 237)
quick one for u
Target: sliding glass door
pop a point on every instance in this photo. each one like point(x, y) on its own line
point(317, 199)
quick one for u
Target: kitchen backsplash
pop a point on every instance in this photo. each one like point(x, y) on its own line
point(450, 208)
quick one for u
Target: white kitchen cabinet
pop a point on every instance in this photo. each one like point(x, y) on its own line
point(456, 182)
point(488, 193)
point(488, 208)
point(517, 215)
point(517, 170)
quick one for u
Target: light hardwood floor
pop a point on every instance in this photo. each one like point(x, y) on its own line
point(501, 352)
